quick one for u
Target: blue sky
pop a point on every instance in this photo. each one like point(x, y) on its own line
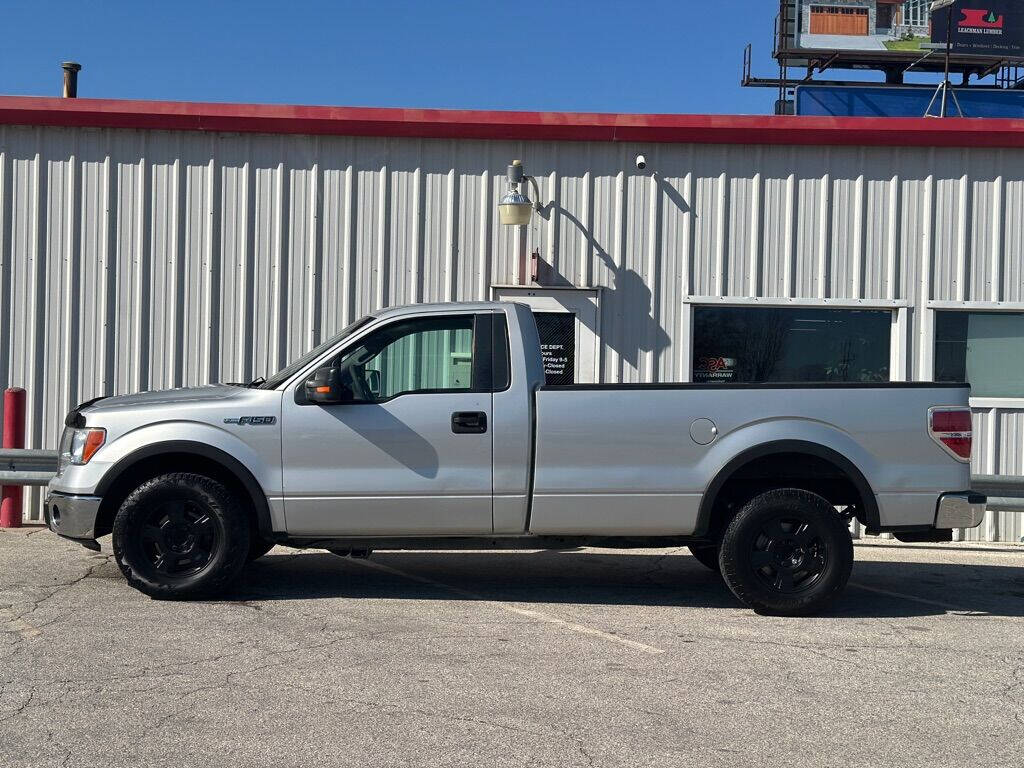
point(681, 56)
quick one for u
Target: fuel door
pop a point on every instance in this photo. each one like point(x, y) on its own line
point(703, 431)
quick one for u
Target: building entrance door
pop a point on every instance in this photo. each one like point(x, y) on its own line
point(883, 18)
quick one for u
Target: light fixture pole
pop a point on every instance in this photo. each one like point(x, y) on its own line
point(516, 208)
point(945, 87)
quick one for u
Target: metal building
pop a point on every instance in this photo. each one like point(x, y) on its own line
point(149, 245)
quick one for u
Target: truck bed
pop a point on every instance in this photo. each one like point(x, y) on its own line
point(625, 458)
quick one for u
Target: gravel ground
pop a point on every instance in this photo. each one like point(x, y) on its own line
point(590, 657)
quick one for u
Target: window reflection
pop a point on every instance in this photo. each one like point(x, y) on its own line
point(762, 344)
point(985, 349)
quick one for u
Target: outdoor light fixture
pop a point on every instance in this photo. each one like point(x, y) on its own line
point(516, 208)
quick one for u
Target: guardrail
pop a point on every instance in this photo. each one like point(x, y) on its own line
point(25, 466)
point(1005, 492)
point(22, 466)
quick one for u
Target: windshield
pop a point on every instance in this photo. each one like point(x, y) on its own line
point(294, 367)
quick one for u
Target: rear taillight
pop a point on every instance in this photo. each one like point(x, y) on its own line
point(951, 428)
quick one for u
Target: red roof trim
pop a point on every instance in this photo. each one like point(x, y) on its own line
point(527, 126)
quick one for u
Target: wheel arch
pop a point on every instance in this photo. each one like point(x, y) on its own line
point(869, 503)
point(178, 455)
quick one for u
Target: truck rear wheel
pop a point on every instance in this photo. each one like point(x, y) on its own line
point(787, 552)
point(180, 535)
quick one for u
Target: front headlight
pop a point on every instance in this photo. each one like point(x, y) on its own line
point(77, 446)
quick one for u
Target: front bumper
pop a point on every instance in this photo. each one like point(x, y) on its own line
point(960, 510)
point(72, 516)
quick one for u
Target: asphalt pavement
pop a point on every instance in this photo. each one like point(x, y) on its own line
point(589, 657)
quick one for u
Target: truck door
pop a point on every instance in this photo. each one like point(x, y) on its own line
point(411, 452)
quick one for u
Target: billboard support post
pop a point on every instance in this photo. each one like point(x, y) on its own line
point(944, 88)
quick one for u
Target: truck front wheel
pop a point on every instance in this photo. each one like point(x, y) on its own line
point(180, 535)
point(787, 552)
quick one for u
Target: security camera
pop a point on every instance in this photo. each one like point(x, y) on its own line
point(641, 162)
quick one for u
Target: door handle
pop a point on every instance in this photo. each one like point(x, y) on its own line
point(469, 422)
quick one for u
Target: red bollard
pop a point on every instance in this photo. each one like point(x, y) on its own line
point(13, 437)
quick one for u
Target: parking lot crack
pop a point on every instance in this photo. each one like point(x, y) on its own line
point(21, 708)
point(56, 589)
point(1013, 692)
point(658, 566)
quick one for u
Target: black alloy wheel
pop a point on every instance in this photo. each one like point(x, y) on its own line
point(178, 537)
point(789, 554)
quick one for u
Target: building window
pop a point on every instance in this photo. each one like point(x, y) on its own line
point(840, 10)
point(985, 349)
point(752, 344)
point(916, 14)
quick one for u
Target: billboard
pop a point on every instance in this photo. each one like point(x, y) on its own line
point(907, 28)
point(982, 27)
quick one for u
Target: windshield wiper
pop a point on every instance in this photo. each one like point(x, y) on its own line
point(256, 382)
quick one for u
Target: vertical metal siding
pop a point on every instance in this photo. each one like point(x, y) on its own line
point(147, 259)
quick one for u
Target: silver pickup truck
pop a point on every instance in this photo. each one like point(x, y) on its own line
point(430, 427)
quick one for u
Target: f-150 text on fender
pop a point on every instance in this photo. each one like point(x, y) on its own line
point(430, 427)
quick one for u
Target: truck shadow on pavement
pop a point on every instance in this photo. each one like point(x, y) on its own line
point(878, 589)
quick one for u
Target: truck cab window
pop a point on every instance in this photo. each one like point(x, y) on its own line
point(421, 355)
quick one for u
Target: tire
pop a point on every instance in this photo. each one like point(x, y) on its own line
point(181, 535)
point(706, 555)
point(786, 552)
point(258, 548)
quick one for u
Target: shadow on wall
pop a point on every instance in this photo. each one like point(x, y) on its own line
point(628, 299)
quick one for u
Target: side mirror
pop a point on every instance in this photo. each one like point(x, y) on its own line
point(324, 387)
